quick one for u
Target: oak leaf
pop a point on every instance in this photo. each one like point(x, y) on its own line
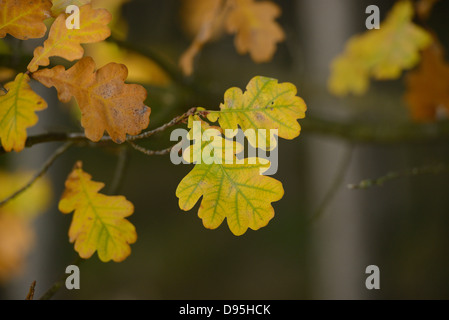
point(24, 19)
point(382, 54)
point(266, 104)
point(17, 112)
point(428, 85)
point(98, 222)
point(66, 43)
point(105, 101)
point(257, 31)
point(237, 191)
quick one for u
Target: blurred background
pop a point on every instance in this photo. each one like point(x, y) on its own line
point(324, 234)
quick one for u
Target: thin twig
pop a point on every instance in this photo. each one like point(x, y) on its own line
point(39, 173)
point(172, 123)
point(335, 186)
point(150, 152)
point(81, 137)
point(30, 295)
point(417, 171)
point(58, 284)
point(119, 173)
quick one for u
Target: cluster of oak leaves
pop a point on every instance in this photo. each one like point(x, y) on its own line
point(238, 193)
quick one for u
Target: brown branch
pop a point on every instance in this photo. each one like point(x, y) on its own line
point(150, 152)
point(172, 123)
point(30, 295)
point(417, 171)
point(81, 138)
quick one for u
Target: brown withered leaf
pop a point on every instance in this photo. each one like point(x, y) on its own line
point(106, 102)
point(428, 86)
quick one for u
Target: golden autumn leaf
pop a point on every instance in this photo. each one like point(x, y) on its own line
point(428, 85)
point(140, 68)
point(98, 222)
point(66, 43)
point(17, 112)
point(381, 54)
point(105, 101)
point(237, 192)
point(266, 104)
point(16, 240)
point(24, 19)
point(257, 31)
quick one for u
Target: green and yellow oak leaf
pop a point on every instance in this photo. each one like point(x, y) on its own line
point(24, 19)
point(266, 104)
point(237, 192)
point(17, 112)
point(382, 54)
point(428, 86)
point(98, 222)
point(105, 101)
point(66, 43)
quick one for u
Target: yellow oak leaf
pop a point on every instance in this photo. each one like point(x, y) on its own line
point(381, 54)
point(59, 6)
point(428, 86)
point(16, 240)
point(105, 101)
point(66, 43)
point(24, 19)
point(141, 69)
point(266, 104)
point(17, 112)
point(257, 31)
point(237, 191)
point(98, 222)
